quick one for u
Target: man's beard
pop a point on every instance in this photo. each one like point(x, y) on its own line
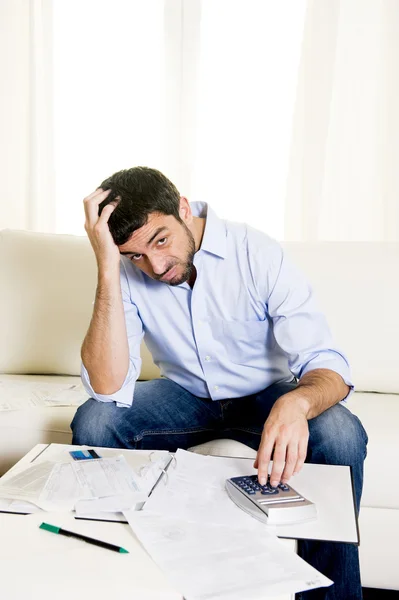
point(188, 264)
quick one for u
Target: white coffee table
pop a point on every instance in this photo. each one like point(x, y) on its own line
point(37, 565)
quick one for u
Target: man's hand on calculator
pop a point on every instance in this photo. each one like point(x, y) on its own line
point(285, 436)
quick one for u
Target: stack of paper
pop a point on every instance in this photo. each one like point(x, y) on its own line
point(207, 546)
point(106, 485)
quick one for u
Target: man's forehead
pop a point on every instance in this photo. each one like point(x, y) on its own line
point(156, 222)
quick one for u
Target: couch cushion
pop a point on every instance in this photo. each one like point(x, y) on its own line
point(379, 414)
point(224, 448)
point(377, 552)
point(21, 430)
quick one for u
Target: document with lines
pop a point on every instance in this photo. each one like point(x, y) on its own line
point(195, 490)
point(104, 486)
point(206, 561)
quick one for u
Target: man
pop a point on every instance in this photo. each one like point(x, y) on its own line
point(233, 326)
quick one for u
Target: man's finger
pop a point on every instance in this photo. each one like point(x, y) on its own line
point(279, 459)
point(302, 452)
point(91, 204)
point(106, 213)
point(96, 193)
point(263, 458)
point(291, 461)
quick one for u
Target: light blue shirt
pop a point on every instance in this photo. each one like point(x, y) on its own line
point(249, 321)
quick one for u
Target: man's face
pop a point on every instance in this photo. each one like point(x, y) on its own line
point(163, 249)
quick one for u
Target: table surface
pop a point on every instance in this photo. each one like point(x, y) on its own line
point(52, 563)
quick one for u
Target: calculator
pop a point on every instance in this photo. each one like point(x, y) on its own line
point(273, 505)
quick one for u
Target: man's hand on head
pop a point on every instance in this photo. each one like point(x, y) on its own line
point(285, 436)
point(97, 228)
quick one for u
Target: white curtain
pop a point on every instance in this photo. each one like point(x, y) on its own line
point(109, 94)
point(281, 114)
point(26, 117)
point(248, 59)
point(343, 182)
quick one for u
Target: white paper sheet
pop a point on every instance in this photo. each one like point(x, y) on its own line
point(194, 490)
point(144, 468)
point(18, 506)
point(27, 485)
point(207, 561)
point(112, 507)
point(19, 395)
point(111, 504)
point(59, 486)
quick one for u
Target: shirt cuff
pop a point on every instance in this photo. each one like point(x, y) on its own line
point(337, 364)
point(123, 397)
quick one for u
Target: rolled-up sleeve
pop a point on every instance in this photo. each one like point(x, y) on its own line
point(135, 332)
point(300, 329)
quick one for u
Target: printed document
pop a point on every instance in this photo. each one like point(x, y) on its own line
point(205, 561)
point(18, 395)
point(96, 489)
point(194, 490)
point(210, 548)
point(58, 486)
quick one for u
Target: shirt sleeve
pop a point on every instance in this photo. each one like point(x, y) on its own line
point(300, 329)
point(135, 333)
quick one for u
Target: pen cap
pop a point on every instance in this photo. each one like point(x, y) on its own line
point(49, 527)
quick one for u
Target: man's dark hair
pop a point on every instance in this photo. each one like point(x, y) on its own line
point(141, 191)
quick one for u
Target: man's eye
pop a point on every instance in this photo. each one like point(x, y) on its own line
point(136, 256)
point(161, 241)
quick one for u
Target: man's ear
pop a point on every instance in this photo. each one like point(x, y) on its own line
point(185, 210)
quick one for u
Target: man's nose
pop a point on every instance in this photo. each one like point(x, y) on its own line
point(158, 265)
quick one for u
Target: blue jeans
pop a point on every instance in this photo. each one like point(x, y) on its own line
point(165, 416)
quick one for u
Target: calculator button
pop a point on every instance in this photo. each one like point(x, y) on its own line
point(283, 487)
point(269, 491)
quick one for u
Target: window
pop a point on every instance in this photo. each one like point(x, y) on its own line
point(202, 90)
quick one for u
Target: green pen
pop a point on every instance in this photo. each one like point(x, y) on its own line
point(85, 538)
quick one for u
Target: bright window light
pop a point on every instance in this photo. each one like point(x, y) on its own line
point(108, 95)
point(249, 62)
point(120, 90)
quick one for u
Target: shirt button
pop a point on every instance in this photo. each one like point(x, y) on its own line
point(207, 358)
point(216, 387)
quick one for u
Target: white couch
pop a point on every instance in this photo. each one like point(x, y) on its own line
point(47, 287)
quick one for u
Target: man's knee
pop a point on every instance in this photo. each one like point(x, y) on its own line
point(337, 436)
point(93, 423)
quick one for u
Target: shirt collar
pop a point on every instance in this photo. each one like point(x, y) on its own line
point(214, 238)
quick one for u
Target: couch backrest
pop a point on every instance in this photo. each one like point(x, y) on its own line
point(48, 282)
point(357, 287)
